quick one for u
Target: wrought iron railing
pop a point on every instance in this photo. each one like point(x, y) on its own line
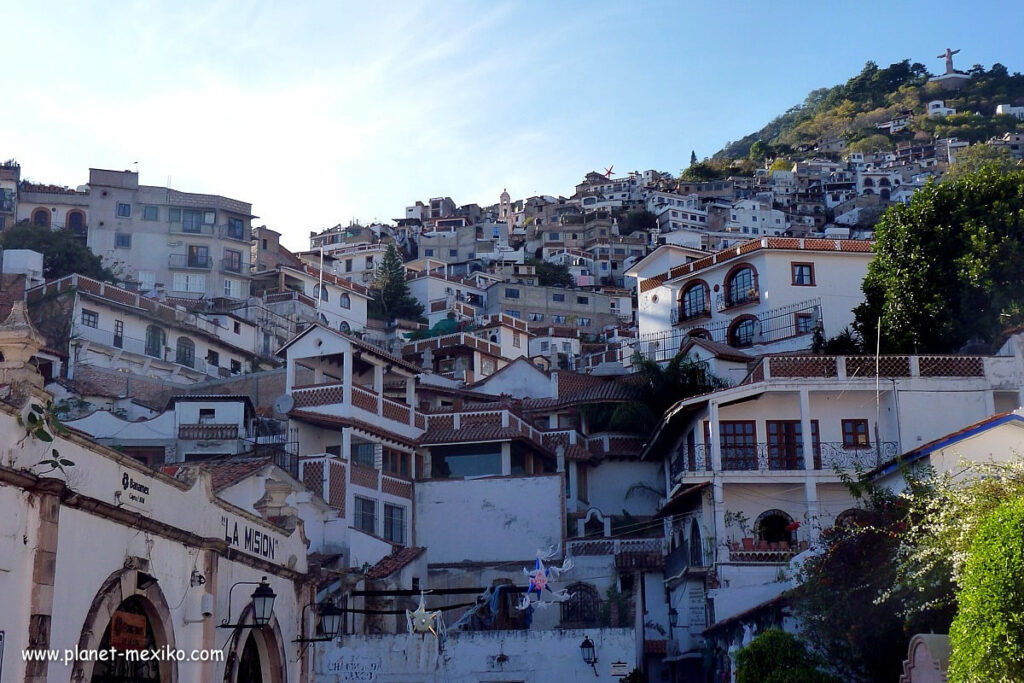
point(679, 315)
point(766, 457)
point(182, 261)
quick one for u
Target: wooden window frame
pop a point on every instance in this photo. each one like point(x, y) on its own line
point(792, 274)
point(853, 422)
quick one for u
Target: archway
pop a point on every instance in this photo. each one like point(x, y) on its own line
point(255, 652)
point(134, 600)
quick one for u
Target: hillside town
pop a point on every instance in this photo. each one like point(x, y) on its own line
point(440, 485)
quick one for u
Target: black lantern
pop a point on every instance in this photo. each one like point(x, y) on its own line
point(673, 617)
point(330, 621)
point(589, 653)
point(262, 605)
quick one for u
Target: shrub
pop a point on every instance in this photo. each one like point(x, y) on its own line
point(778, 657)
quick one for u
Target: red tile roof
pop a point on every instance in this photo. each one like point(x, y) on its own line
point(223, 473)
point(393, 563)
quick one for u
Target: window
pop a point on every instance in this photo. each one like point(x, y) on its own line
point(394, 524)
point(855, 434)
point(232, 288)
point(213, 358)
point(236, 367)
point(514, 314)
point(583, 300)
point(233, 260)
point(554, 237)
point(694, 301)
point(147, 280)
point(320, 293)
point(122, 240)
point(150, 213)
point(558, 297)
point(741, 287)
point(236, 229)
point(345, 301)
point(263, 244)
point(348, 265)
point(465, 460)
point(786, 446)
point(41, 218)
point(209, 217)
point(90, 318)
point(207, 416)
point(558, 319)
point(536, 317)
point(804, 323)
point(191, 221)
point(511, 293)
point(124, 210)
point(186, 352)
point(75, 222)
point(198, 256)
point(237, 327)
point(363, 454)
point(453, 253)
point(583, 322)
point(119, 334)
point(739, 444)
point(743, 331)
point(396, 462)
point(428, 252)
point(183, 282)
point(803, 274)
point(366, 515)
point(174, 215)
point(516, 340)
point(583, 606)
point(155, 338)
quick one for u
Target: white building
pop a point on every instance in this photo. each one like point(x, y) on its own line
point(751, 217)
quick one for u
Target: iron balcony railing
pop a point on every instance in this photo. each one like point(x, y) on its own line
point(681, 316)
point(234, 266)
point(186, 262)
point(767, 457)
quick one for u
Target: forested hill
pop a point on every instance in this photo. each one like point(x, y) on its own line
point(852, 110)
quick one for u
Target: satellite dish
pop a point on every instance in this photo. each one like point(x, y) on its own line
point(284, 404)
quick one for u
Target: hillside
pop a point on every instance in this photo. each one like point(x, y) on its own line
point(852, 110)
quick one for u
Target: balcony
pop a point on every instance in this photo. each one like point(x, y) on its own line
point(732, 299)
point(186, 262)
point(614, 546)
point(772, 457)
point(87, 336)
point(192, 229)
point(365, 404)
point(229, 232)
point(681, 316)
point(762, 552)
point(207, 432)
point(235, 267)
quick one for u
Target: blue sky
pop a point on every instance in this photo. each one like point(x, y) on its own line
point(321, 112)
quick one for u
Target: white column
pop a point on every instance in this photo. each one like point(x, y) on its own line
point(714, 434)
point(810, 482)
point(346, 377)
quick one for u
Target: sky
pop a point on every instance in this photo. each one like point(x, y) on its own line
point(320, 113)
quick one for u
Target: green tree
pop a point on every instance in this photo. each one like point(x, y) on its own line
point(987, 634)
point(63, 253)
point(693, 157)
point(702, 172)
point(391, 292)
point(872, 143)
point(551, 274)
point(642, 219)
point(947, 265)
point(775, 656)
point(977, 157)
point(781, 165)
point(758, 152)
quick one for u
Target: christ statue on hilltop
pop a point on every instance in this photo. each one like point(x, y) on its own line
point(948, 56)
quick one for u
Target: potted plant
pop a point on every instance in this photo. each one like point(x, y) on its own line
point(741, 522)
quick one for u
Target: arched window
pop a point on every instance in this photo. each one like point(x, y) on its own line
point(583, 606)
point(75, 222)
point(742, 331)
point(848, 519)
point(696, 545)
point(41, 218)
point(884, 182)
point(741, 286)
point(771, 527)
point(694, 301)
point(155, 339)
point(345, 301)
point(884, 193)
point(344, 327)
point(868, 182)
point(186, 352)
point(320, 293)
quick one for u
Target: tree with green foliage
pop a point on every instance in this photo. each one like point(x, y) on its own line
point(781, 164)
point(987, 634)
point(976, 157)
point(855, 609)
point(551, 274)
point(63, 253)
point(758, 152)
point(702, 172)
point(693, 157)
point(656, 389)
point(641, 219)
point(776, 656)
point(391, 298)
point(947, 268)
point(871, 143)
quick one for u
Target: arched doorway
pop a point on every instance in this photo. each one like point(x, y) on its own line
point(250, 670)
point(255, 655)
point(129, 609)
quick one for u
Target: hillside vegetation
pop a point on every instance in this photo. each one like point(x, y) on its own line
point(876, 95)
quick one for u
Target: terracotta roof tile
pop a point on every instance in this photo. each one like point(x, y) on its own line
point(393, 563)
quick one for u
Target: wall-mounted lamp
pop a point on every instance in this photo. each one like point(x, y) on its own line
point(330, 622)
point(589, 653)
point(673, 618)
point(262, 605)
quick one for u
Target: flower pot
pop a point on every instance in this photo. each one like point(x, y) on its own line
point(748, 543)
point(762, 545)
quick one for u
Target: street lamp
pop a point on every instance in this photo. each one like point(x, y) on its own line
point(589, 653)
point(262, 605)
point(330, 621)
point(673, 618)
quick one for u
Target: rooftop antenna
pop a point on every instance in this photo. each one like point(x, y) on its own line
point(136, 167)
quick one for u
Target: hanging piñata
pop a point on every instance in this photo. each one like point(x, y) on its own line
point(540, 579)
